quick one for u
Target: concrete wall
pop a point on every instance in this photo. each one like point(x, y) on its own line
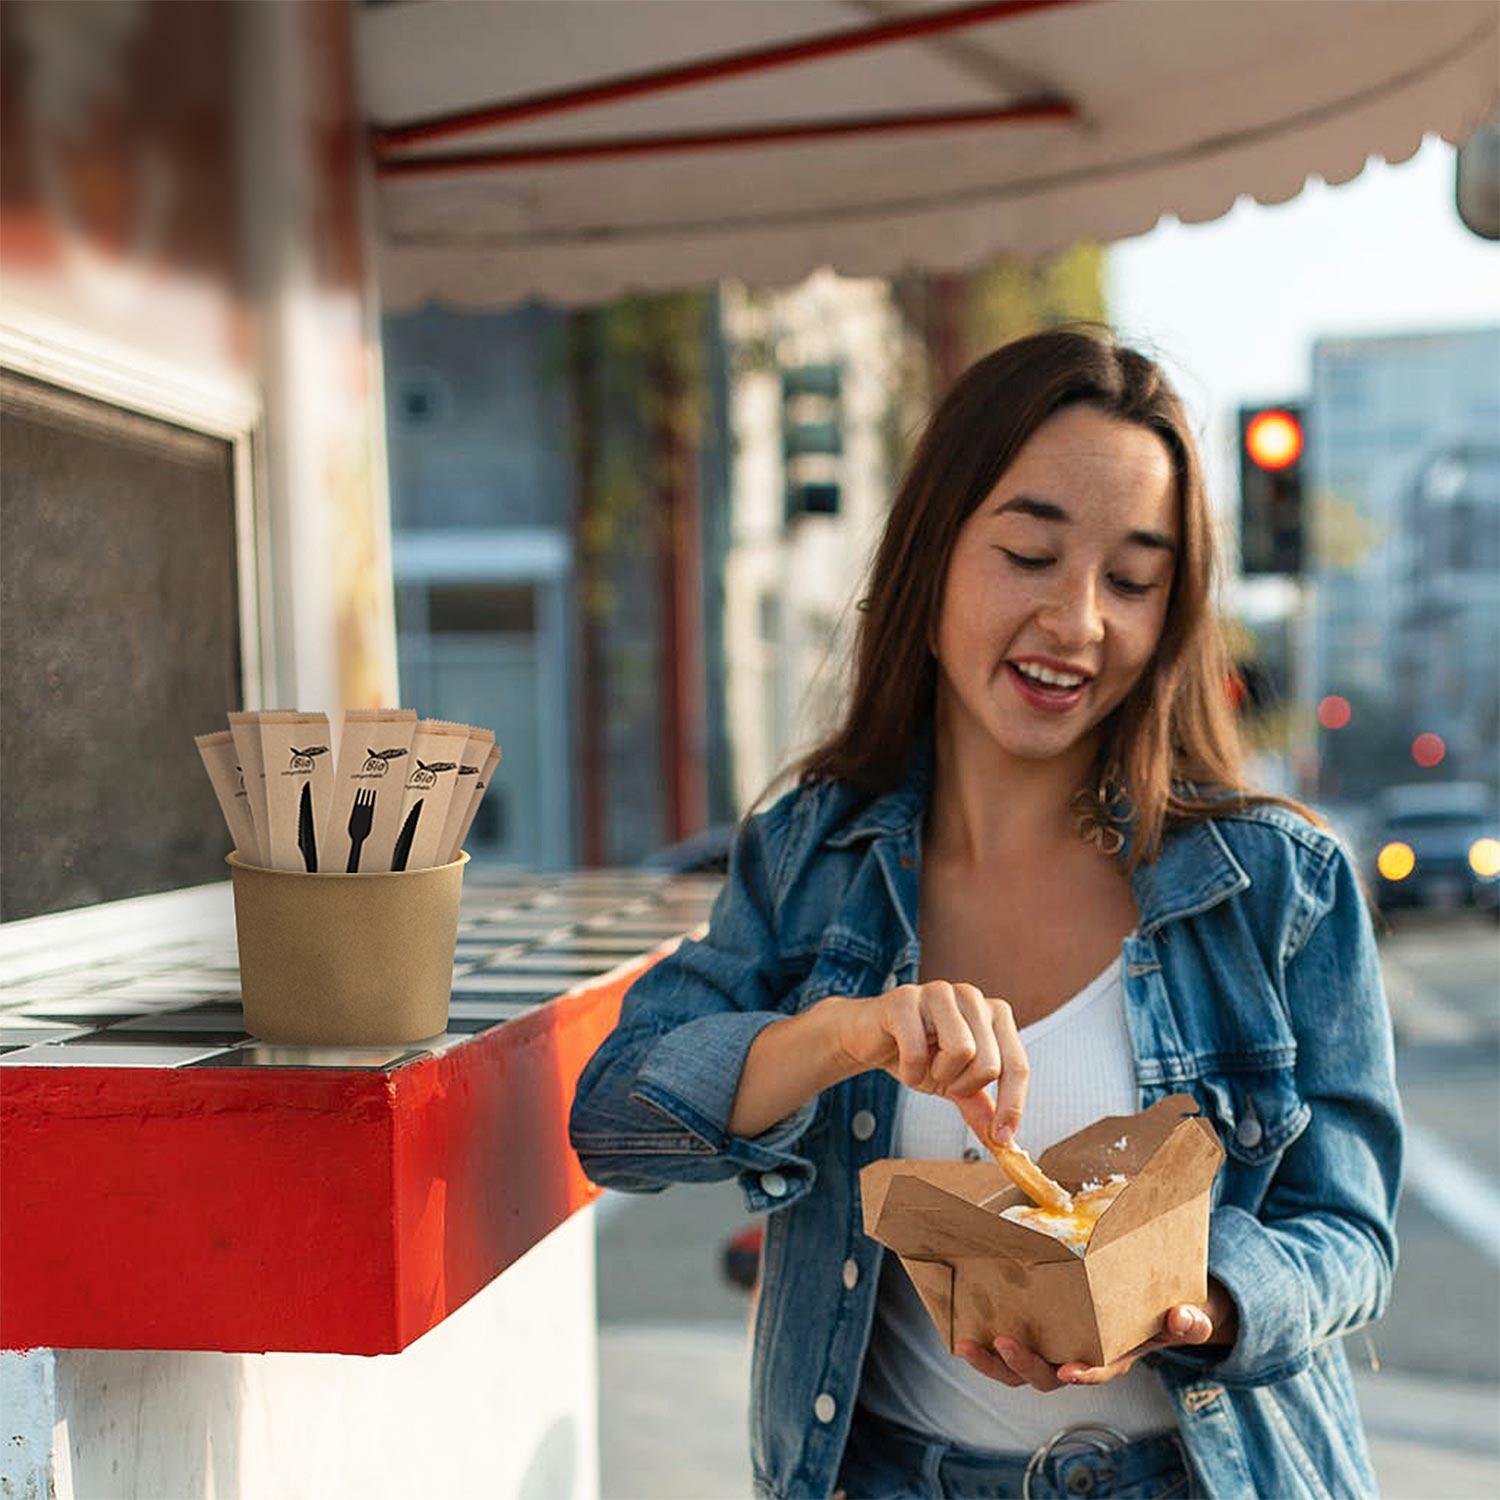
point(498, 1401)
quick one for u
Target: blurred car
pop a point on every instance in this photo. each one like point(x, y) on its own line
point(739, 1259)
point(705, 853)
point(1437, 846)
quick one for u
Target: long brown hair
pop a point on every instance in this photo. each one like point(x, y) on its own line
point(1177, 725)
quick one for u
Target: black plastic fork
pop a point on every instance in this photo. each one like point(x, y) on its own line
point(361, 815)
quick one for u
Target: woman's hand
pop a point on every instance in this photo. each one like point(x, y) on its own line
point(1011, 1363)
point(941, 1038)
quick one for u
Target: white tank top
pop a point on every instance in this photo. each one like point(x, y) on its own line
point(1082, 1067)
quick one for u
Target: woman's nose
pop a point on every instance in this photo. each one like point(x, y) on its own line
point(1072, 617)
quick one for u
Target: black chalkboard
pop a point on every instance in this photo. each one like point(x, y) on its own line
point(119, 641)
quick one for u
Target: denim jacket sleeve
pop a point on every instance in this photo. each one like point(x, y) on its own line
point(1317, 1259)
point(653, 1103)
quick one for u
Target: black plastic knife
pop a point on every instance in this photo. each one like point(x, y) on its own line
point(408, 833)
point(307, 840)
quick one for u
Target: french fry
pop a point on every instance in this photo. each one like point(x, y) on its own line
point(1032, 1181)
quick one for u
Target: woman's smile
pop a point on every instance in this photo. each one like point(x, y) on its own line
point(1045, 697)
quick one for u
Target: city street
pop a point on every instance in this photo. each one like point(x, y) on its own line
point(1443, 979)
point(673, 1358)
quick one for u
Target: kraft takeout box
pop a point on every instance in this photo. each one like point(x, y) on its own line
point(981, 1276)
point(346, 960)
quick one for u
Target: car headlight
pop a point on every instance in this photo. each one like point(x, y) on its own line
point(1484, 858)
point(1396, 861)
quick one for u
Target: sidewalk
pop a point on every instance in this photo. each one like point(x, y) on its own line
point(673, 1421)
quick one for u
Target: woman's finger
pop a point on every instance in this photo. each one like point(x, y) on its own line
point(987, 1364)
point(1186, 1325)
point(955, 1041)
point(1015, 1072)
point(984, 1067)
point(1031, 1367)
point(1097, 1374)
point(904, 1022)
point(1182, 1325)
point(978, 1110)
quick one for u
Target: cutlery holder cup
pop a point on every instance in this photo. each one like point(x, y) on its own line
point(346, 960)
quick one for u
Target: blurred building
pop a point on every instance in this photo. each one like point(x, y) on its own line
point(820, 413)
point(557, 489)
point(1406, 482)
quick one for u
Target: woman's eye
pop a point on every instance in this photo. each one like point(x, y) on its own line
point(1125, 585)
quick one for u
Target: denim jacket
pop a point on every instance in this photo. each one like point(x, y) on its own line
point(1251, 981)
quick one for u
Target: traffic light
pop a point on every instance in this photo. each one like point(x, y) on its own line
point(1271, 509)
point(812, 439)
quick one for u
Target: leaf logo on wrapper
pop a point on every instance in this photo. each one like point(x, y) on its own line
point(378, 762)
point(427, 774)
point(302, 760)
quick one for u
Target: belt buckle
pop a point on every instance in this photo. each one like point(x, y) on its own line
point(1092, 1437)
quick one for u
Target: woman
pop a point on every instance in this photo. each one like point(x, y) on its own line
point(1027, 858)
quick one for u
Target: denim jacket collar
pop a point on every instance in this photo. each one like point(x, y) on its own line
point(1194, 870)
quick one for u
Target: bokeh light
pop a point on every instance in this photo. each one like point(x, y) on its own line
point(1428, 749)
point(1484, 857)
point(1274, 439)
point(1334, 712)
point(1396, 861)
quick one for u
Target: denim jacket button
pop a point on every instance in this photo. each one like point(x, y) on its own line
point(773, 1184)
point(863, 1125)
point(1248, 1132)
point(851, 1273)
point(825, 1408)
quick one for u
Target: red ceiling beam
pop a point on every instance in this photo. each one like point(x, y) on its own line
point(391, 138)
point(761, 135)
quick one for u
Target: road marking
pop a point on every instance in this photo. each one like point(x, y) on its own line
point(1463, 1198)
point(1420, 1014)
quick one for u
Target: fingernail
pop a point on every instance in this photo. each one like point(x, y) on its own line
point(1002, 1135)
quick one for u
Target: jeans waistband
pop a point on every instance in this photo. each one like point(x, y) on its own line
point(1078, 1461)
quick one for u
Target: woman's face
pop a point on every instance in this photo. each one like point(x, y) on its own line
point(1066, 564)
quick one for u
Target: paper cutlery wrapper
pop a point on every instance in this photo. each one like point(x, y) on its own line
point(980, 1275)
point(346, 960)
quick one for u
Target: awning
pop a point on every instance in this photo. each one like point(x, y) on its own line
point(579, 149)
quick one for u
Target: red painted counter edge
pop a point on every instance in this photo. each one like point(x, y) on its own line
point(250, 1209)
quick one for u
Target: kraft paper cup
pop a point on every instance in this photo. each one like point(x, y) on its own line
point(346, 960)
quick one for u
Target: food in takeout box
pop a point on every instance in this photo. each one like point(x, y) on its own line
point(1074, 1224)
point(983, 1270)
point(400, 795)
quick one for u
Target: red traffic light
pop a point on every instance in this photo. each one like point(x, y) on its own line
point(1428, 749)
point(1334, 711)
point(1273, 439)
